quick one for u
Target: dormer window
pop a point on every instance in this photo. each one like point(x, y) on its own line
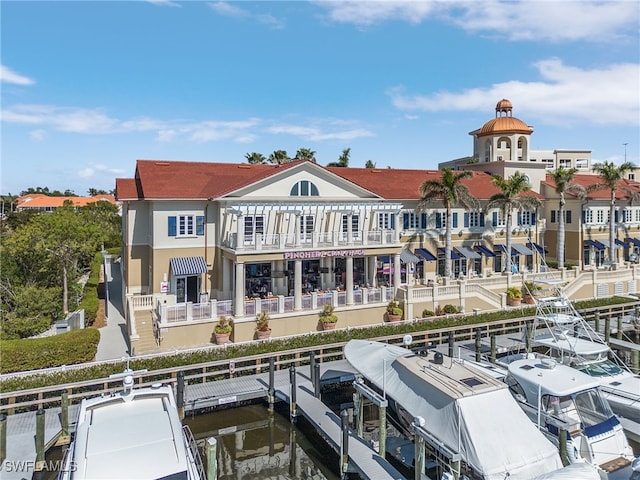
point(304, 188)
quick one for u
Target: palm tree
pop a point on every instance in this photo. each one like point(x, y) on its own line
point(255, 158)
point(563, 179)
point(450, 190)
point(610, 175)
point(369, 164)
point(279, 157)
point(511, 197)
point(306, 154)
point(343, 160)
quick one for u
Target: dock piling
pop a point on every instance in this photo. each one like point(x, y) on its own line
point(418, 453)
point(451, 344)
point(292, 403)
point(382, 444)
point(3, 437)
point(619, 332)
point(316, 380)
point(212, 458)
point(272, 389)
point(312, 364)
point(65, 437)
point(344, 445)
point(607, 329)
point(180, 394)
point(493, 348)
point(478, 344)
point(562, 440)
point(596, 322)
point(635, 362)
point(39, 440)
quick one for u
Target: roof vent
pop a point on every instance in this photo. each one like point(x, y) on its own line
point(244, 165)
point(548, 363)
point(438, 359)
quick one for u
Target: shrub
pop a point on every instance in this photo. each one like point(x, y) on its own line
point(224, 325)
point(262, 322)
point(427, 313)
point(92, 289)
point(327, 315)
point(394, 308)
point(514, 292)
point(450, 309)
point(77, 346)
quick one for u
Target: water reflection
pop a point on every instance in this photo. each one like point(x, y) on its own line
point(256, 444)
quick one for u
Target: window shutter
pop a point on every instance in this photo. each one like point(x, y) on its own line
point(495, 219)
point(553, 216)
point(568, 216)
point(393, 220)
point(405, 221)
point(438, 220)
point(533, 218)
point(584, 216)
point(172, 226)
point(466, 219)
point(481, 219)
point(615, 216)
point(200, 225)
point(455, 220)
point(423, 220)
point(519, 218)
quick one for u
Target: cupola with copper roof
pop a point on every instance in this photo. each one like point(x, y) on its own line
point(504, 122)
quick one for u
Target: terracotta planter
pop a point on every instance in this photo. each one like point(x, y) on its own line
point(222, 338)
point(328, 326)
point(529, 299)
point(514, 302)
point(393, 318)
point(263, 334)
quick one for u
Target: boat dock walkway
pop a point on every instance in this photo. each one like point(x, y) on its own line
point(21, 427)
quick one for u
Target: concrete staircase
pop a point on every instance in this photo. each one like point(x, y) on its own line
point(146, 343)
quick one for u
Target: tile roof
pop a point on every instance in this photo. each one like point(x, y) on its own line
point(586, 180)
point(156, 179)
point(39, 200)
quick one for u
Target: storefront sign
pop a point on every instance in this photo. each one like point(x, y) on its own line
point(164, 287)
point(322, 253)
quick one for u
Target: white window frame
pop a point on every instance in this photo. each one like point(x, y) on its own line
point(474, 219)
point(502, 219)
point(307, 226)
point(253, 225)
point(414, 221)
point(384, 220)
point(355, 226)
point(636, 215)
point(582, 163)
point(564, 163)
point(185, 226)
point(600, 216)
point(588, 216)
point(526, 218)
point(627, 215)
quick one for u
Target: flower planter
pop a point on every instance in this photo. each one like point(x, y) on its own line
point(222, 338)
point(328, 326)
point(514, 302)
point(263, 334)
point(529, 299)
point(393, 318)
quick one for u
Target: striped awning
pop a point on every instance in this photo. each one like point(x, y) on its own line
point(406, 256)
point(521, 249)
point(621, 243)
point(426, 254)
point(539, 248)
point(181, 266)
point(467, 252)
point(605, 242)
point(484, 250)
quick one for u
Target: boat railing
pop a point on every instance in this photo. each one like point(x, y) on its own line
point(194, 451)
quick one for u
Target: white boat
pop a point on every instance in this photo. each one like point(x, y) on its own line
point(571, 340)
point(467, 411)
point(133, 434)
point(557, 397)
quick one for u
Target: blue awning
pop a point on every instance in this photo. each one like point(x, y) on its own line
point(181, 266)
point(622, 244)
point(426, 254)
point(500, 248)
point(520, 249)
point(454, 255)
point(541, 250)
point(595, 244)
point(484, 250)
point(635, 241)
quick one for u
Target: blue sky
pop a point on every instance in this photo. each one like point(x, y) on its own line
point(89, 87)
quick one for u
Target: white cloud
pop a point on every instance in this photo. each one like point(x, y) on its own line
point(38, 135)
point(228, 10)
point(165, 3)
point(92, 170)
point(563, 95)
point(316, 134)
point(522, 20)
point(9, 76)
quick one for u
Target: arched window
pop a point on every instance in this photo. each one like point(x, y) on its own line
point(304, 188)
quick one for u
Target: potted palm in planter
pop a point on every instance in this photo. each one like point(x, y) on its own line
point(529, 292)
point(514, 296)
point(222, 329)
point(263, 330)
point(328, 319)
point(394, 311)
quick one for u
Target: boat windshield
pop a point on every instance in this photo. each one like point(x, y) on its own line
point(592, 408)
point(601, 369)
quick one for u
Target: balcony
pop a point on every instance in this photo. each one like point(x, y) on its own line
point(287, 241)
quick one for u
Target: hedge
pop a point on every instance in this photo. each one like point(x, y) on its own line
point(77, 346)
point(90, 296)
point(274, 346)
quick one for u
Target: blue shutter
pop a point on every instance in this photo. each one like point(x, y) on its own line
point(495, 219)
point(455, 220)
point(568, 216)
point(172, 226)
point(393, 221)
point(466, 219)
point(481, 219)
point(405, 221)
point(438, 220)
point(519, 218)
point(423, 220)
point(533, 218)
point(584, 216)
point(200, 225)
point(615, 216)
point(553, 216)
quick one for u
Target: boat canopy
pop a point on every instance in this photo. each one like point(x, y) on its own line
point(456, 402)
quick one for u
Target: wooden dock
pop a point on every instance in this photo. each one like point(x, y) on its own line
point(21, 427)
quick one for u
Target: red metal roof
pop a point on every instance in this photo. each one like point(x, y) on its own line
point(39, 200)
point(604, 193)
